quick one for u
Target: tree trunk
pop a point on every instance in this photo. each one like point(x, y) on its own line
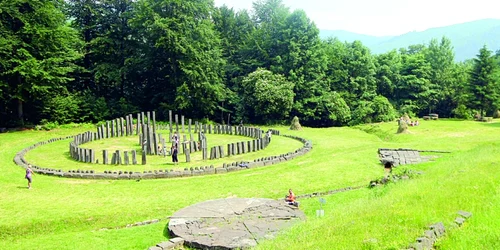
point(222, 113)
point(20, 114)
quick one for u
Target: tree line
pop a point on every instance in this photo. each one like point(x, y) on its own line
point(88, 60)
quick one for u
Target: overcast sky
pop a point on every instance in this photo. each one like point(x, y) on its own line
point(385, 17)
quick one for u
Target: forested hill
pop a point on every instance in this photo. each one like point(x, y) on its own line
point(92, 61)
point(467, 38)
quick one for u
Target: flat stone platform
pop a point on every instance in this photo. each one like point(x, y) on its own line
point(233, 223)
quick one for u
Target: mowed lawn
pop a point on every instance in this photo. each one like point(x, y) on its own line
point(61, 213)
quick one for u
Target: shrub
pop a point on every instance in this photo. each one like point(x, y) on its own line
point(47, 125)
point(462, 112)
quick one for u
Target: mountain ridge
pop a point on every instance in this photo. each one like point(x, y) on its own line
point(467, 38)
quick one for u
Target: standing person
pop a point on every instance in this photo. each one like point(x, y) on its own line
point(269, 134)
point(175, 139)
point(174, 155)
point(29, 173)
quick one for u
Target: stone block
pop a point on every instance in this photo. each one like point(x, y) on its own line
point(187, 173)
point(416, 246)
point(464, 214)
point(177, 241)
point(220, 170)
point(426, 243)
point(182, 122)
point(459, 221)
point(238, 148)
point(233, 168)
point(134, 157)
point(209, 170)
point(221, 151)
point(143, 162)
point(113, 158)
point(439, 229)
point(166, 245)
point(118, 157)
point(430, 235)
point(176, 122)
point(125, 158)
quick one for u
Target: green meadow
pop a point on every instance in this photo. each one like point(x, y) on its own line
point(62, 213)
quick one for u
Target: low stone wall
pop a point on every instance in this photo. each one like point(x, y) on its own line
point(436, 231)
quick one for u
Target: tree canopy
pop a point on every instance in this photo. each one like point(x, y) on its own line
point(85, 60)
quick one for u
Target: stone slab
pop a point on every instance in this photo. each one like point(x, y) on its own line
point(233, 223)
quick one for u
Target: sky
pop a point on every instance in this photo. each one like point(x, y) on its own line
point(385, 17)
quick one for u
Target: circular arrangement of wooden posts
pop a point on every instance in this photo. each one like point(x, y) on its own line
point(153, 143)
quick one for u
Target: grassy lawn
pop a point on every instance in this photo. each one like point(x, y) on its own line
point(63, 213)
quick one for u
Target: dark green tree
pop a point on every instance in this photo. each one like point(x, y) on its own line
point(37, 52)
point(484, 84)
point(180, 57)
point(269, 45)
point(460, 94)
point(108, 68)
point(85, 16)
point(388, 66)
point(304, 64)
point(361, 72)
point(413, 92)
point(441, 57)
point(235, 29)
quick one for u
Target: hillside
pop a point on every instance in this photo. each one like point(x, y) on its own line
point(467, 38)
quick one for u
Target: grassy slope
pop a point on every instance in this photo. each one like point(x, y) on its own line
point(68, 213)
point(393, 216)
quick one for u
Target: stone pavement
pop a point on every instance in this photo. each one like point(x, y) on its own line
point(402, 156)
point(232, 223)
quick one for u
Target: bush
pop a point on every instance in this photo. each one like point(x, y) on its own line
point(47, 125)
point(61, 109)
point(377, 110)
point(407, 109)
point(383, 110)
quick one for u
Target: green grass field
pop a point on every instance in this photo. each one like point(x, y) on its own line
point(61, 213)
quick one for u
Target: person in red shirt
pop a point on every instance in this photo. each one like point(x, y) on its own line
point(290, 197)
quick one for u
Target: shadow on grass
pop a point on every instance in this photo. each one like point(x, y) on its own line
point(491, 124)
point(166, 232)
